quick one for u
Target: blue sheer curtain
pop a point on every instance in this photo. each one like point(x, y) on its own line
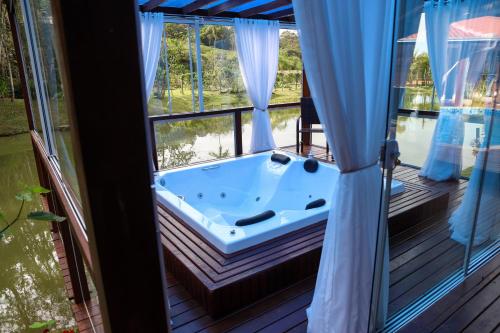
point(486, 198)
point(454, 60)
point(346, 48)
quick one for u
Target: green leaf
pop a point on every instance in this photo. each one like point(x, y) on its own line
point(43, 324)
point(24, 196)
point(39, 325)
point(2, 216)
point(37, 190)
point(45, 216)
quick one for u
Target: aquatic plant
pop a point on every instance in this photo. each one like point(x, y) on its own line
point(25, 196)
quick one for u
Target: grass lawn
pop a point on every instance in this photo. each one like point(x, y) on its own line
point(215, 100)
point(12, 117)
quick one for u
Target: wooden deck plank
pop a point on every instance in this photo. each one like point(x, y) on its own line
point(472, 309)
point(487, 321)
point(439, 313)
point(88, 314)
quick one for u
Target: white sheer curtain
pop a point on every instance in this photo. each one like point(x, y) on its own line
point(257, 44)
point(488, 208)
point(346, 48)
point(453, 65)
point(151, 33)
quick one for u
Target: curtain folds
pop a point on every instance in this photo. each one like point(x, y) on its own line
point(257, 45)
point(488, 208)
point(346, 48)
point(455, 64)
point(151, 34)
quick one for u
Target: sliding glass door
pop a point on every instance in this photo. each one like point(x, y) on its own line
point(443, 113)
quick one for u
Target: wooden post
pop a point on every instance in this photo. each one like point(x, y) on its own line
point(306, 137)
point(102, 74)
point(153, 144)
point(238, 134)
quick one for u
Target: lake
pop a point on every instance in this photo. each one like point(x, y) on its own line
point(31, 286)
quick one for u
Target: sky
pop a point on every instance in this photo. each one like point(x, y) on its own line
point(421, 43)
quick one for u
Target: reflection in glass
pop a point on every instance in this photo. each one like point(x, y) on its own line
point(183, 142)
point(31, 284)
point(46, 54)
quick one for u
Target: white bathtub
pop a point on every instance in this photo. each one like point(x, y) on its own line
point(211, 197)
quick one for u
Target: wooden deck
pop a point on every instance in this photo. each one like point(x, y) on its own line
point(420, 256)
point(213, 278)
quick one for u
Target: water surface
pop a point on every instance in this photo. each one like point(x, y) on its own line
point(31, 285)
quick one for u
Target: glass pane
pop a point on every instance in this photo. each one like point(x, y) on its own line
point(159, 102)
point(288, 86)
point(222, 83)
point(13, 116)
point(283, 122)
point(193, 53)
point(52, 90)
point(484, 183)
point(479, 224)
point(182, 66)
point(188, 141)
point(446, 128)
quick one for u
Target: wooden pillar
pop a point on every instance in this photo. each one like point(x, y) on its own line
point(306, 137)
point(238, 134)
point(102, 74)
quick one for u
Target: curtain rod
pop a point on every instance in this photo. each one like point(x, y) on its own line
point(190, 19)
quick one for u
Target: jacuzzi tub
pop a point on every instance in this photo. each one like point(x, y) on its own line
point(211, 197)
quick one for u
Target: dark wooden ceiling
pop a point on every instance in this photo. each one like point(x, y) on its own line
point(268, 9)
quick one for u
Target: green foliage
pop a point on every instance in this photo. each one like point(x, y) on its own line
point(420, 70)
point(45, 216)
point(26, 196)
point(28, 192)
point(43, 324)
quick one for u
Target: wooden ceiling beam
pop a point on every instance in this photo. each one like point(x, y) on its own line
point(265, 8)
point(225, 6)
point(196, 5)
point(281, 14)
point(152, 4)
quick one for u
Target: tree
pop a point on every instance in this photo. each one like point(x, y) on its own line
point(9, 81)
point(420, 70)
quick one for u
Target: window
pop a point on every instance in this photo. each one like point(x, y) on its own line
point(48, 85)
point(208, 51)
point(222, 83)
point(288, 86)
